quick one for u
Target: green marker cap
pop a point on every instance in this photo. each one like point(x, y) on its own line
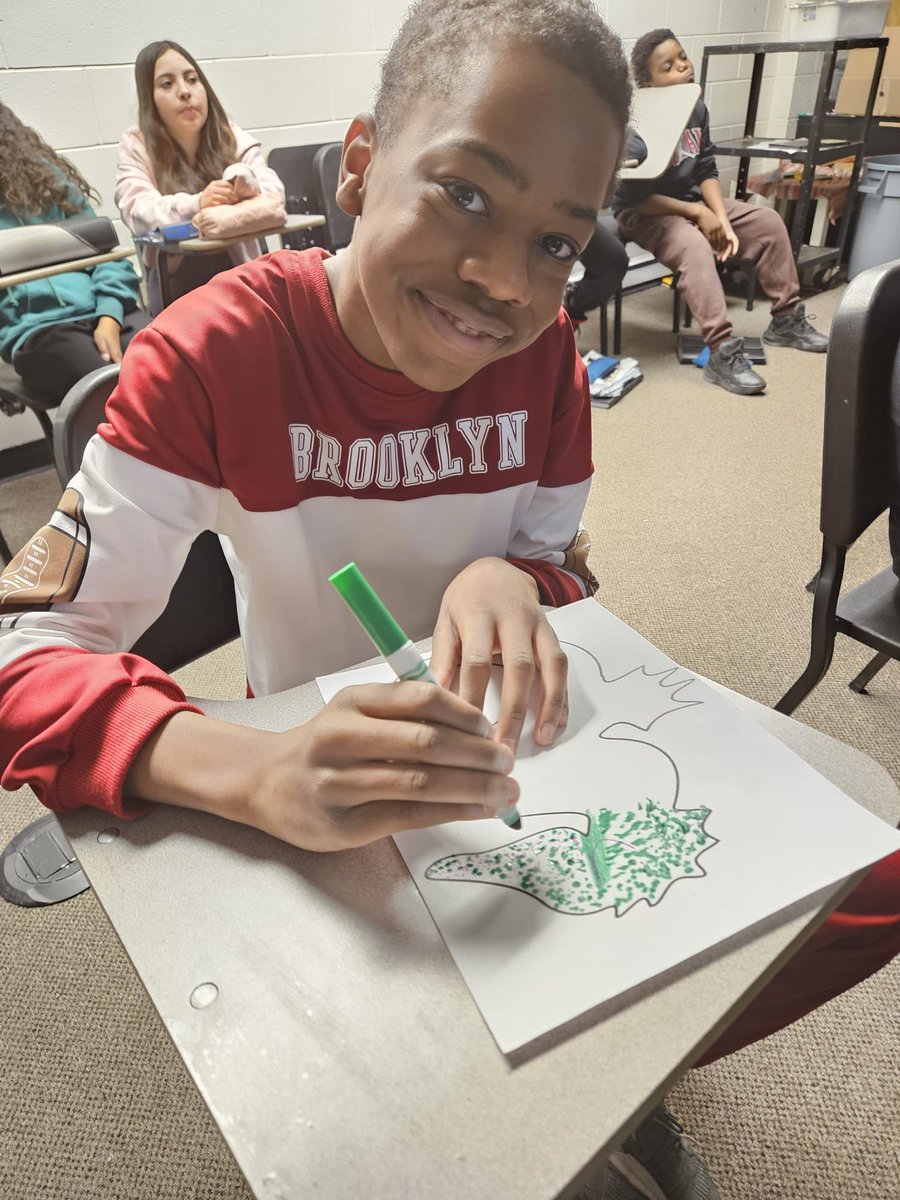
point(366, 606)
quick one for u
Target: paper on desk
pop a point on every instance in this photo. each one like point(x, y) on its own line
point(663, 822)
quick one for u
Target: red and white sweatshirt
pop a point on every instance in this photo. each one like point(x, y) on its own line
point(244, 409)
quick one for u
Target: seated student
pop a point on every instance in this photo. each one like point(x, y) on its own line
point(56, 330)
point(415, 404)
point(685, 221)
point(186, 162)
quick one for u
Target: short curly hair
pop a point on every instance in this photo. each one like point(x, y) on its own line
point(437, 36)
point(643, 48)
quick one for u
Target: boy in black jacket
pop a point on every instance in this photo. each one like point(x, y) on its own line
point(685, 221)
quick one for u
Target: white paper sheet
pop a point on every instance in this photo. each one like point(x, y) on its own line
point(662, 822)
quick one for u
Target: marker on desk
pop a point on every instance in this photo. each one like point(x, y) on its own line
point(401, 655)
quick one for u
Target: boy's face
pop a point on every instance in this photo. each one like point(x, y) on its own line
point(669, 64)
point(471, 217)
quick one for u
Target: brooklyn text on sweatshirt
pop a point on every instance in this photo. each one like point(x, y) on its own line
point(245, 409)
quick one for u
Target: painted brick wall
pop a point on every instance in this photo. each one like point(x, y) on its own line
point(291, 71)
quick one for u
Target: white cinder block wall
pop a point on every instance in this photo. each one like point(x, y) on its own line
point(294, 71)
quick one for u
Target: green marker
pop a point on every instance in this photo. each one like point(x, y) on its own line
point(401, 655)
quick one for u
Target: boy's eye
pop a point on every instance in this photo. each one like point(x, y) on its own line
point(559, 248)
point(465, 196)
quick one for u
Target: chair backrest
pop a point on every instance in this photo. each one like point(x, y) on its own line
point(326, 169)
point(201, 614)
point(860, 443)
point(310, 183)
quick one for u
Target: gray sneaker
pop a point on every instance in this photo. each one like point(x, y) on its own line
point(625, 1179)
point(661, 1147)
point(795, 331)
point(657, 1162)
point(730, 368)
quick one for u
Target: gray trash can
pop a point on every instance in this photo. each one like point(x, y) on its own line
point(877, 236)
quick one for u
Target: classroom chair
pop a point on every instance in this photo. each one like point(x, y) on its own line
point(15, 398)
point(310, 178)
point(201, 614)
point(858, 476)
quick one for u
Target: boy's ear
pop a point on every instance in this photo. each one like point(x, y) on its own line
point(360, 145)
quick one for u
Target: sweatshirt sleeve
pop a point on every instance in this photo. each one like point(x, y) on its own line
point(551, 543)
point(116, 288)
point(75, 706)
point(142, 205)
point(706, 166)
point(252, 165)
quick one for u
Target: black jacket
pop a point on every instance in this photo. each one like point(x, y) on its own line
point(693, 161)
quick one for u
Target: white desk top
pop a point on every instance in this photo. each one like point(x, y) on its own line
point(343, 1056)
point(76, 264)
point(660, 115)
point(197, 245)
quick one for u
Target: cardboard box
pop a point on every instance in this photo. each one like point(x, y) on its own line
point(854, 89)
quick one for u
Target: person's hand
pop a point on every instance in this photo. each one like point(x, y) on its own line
point(491, 608)
point(217, 192)
point(378, 759)
point(717, 231)
point(108, 339)
point(730, 243)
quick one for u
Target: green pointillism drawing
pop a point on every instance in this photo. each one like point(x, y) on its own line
point(625, 857)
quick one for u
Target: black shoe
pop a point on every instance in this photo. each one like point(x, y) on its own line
point(795, 331)
point(730, 369)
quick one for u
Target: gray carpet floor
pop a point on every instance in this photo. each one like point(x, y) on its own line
point(704, 519)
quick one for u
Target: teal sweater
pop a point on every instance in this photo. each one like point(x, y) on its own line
point(109, 290)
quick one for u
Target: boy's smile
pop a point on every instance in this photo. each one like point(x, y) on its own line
point(471, 217)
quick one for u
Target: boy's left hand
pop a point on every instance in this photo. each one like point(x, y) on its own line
point(491, 608)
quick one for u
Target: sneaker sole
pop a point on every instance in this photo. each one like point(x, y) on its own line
point(749, 390)
point(637, 1175)
point(777, 341)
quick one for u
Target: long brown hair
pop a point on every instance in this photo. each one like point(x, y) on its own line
point(34, 178)
point(218, 149)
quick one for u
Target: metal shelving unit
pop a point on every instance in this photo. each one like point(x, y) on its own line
point(818, 149)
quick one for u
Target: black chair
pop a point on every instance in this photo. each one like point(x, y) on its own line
point(310, 175)
point(859, 479)
point(15, 398)
point(201, 614)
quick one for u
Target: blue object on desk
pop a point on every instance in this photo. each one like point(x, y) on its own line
point(167, 233)
point(599, 368)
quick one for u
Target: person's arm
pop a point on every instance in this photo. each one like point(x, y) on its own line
point(494, 606)
point(84, 722)
point(722, 237)
point(251, 169)
point(139, 200)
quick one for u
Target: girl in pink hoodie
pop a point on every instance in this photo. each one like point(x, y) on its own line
point(185, 161)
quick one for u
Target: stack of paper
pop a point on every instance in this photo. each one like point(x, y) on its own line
point(610, 378)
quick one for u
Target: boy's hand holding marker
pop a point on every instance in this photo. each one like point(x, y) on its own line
point(491, 606)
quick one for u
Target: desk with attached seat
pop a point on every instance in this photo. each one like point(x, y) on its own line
point(328, 1030)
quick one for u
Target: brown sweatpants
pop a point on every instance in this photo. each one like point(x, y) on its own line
point(679, 244)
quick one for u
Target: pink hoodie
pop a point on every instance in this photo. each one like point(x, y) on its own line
point(144, 207)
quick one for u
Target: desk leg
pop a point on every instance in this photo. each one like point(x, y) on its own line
point(165, 287)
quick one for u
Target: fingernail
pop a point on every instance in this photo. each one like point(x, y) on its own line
point(512, 792)
point(547, 734)
point(485, 728)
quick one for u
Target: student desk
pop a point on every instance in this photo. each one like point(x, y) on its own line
point(327, 1028)
point(75, 264)
point(197, 245)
